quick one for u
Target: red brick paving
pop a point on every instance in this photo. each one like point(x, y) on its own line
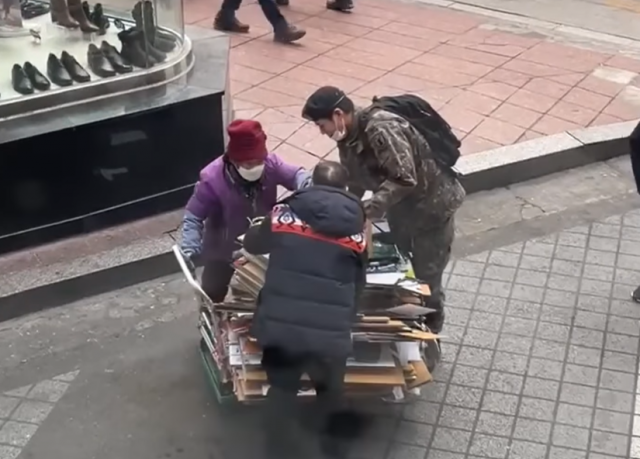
point(495, 88)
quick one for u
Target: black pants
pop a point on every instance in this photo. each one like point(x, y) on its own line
point(269, 8)
point(430, 251)
point(215, 279)
point(284, 373)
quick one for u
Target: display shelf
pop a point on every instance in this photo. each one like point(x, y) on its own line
point(55, 39)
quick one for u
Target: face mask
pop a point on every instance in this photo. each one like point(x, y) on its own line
point(339, 134)
point(251, 175)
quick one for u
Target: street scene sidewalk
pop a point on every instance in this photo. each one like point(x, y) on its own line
point(541, 341)
point(540, 361)
point(495, 87)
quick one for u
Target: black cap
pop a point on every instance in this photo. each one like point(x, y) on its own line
point(322, 103)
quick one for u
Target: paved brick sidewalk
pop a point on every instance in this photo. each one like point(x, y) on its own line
point(495, 88)
point(541, 362)
point(542, 359)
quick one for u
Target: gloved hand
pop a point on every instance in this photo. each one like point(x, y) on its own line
point(371, 211)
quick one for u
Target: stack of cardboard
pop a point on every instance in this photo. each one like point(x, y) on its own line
point(389, 335)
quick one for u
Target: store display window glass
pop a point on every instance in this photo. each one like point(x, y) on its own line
point(66, 51)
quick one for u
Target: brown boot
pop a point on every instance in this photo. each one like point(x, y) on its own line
point(287, 33)
point(60, 15)
point(77, 12)
point(343, 6)
point(231, 24)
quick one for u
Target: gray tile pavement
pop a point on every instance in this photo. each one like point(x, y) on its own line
point(541, 359)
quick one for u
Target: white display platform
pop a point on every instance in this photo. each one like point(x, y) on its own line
point(55, 39)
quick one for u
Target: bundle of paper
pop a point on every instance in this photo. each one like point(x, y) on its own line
point(374, 369)
point(389, 336)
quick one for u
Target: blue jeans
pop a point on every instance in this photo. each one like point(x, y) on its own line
point(269, 8)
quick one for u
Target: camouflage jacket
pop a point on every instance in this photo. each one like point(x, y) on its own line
point(386, 155)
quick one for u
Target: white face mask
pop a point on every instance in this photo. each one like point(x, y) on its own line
point(251, 175)
point(339, 134)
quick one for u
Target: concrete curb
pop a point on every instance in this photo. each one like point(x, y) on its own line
point(536, 23)
point(523, 161)
point(60, 284)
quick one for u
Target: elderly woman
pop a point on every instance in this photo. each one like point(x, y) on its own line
point(233, 189)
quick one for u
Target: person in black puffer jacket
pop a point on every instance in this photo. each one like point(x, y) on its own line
point(306, 308)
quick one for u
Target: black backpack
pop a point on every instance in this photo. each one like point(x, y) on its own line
point(436, 131)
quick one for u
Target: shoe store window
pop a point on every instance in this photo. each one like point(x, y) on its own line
point(62, 51)
point(105, 117)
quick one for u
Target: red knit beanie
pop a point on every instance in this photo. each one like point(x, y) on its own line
point(247, 141)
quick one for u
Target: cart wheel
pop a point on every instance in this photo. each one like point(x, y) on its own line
point(432, 355)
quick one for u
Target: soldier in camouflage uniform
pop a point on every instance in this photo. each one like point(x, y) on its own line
point(385, 154)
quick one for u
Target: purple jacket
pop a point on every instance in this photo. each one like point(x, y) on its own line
point(226, 210)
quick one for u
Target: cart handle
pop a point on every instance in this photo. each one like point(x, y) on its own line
point(186, 271)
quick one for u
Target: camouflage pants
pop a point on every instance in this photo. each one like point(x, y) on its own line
point(429, 251)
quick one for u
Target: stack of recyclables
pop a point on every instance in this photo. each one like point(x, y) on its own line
point(389, 335)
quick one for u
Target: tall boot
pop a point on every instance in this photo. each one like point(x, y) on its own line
point(133, 49)
point(150, 18)
point(60, 15)
point(145, 18)
point(77, 12)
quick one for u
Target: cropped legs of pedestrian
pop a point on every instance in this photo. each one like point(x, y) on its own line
point(282, 31)
point(284, 373)
point(344, 6)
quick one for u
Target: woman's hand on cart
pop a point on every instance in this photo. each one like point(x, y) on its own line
point(188, 256)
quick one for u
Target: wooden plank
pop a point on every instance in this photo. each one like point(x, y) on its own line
point(391, 377)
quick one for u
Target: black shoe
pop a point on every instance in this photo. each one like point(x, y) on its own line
point(282, 2)
point(38, 80)
point(286, 33)
point(76, 71)
point(98, 62)
point(114, 58)
point(99, 19)
point(20, 81)
point(30, 10)
point(133, 51)
point(343, 6)
point(137, 35)
point(635, 295)
point(57, 73)
point(229, 23)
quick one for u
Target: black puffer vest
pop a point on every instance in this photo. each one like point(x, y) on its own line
point(317, 261)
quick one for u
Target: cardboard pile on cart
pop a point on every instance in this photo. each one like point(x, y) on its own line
point(388, 337)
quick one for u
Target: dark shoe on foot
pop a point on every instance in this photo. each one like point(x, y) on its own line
point(635, 295)
point(344, 6)
point(224, 24)
point(288, 34)
point(282, 2)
